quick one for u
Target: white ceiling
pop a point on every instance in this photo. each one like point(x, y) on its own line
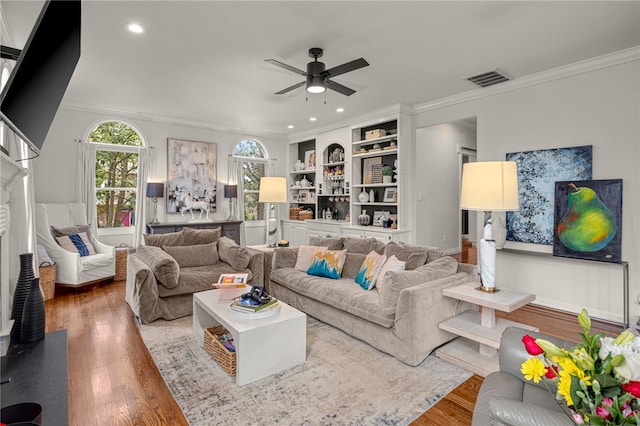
point(203, 61)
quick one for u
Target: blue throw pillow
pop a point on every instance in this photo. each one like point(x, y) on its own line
point(370, 270)
point(328, 263)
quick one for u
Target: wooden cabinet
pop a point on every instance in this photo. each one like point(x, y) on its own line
point(295, 232)
point(323, 229)
point(230, 229)
point(381, 234)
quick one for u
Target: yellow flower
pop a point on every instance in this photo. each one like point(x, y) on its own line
point(533, 369)
point(564, 387)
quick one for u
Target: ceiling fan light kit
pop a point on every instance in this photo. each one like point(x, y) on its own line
point(317, 77)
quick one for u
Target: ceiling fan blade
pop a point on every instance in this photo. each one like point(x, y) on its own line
point(285, 66)
point(290, 88)
point(347, 67)
point(339, 88)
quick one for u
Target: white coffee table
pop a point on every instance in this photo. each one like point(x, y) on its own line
point(264, 346)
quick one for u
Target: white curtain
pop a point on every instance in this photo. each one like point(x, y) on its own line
point(86, 178)
point(144, 160)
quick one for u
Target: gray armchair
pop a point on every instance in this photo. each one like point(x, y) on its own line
point(506, 398)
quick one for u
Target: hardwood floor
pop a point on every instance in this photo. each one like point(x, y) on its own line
point(113, 380)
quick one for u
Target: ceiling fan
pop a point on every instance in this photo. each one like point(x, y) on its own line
point(317, 78)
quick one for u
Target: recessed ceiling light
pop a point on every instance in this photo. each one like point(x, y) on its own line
point(290, 126)
point(340, 110)
point(135, 28)
point(312, 119)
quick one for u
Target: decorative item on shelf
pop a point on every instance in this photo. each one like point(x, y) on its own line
point(395, 170)
point(155, 190)
point(299, 165)
point(20, 295)
point(387, 174)
point(372, 196)
point(390, 195)
point(379, 217)
point(231, 192)
point(294, 213)
point(489, 186)
point(305, 214)
point(364, 219)
point(305, 182)
point(33, 315)
point(376, 173)
point(297, 180)
point(375, 133)
point(363, 197)
point(376, 147)
point(273, 190)
point(310, 159)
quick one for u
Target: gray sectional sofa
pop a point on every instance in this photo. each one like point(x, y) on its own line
point(400, 317)
point(164, 273)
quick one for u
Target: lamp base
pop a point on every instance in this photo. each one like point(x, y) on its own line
point(488, 289)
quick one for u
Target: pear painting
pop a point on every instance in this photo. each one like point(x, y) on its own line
point(589, 215)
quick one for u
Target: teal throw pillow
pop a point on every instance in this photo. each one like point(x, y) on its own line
point(328, 263)
point(370, 270)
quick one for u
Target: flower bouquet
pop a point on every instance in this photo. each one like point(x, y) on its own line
point(599, 378)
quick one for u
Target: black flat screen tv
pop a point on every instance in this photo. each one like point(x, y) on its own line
point(32, 95)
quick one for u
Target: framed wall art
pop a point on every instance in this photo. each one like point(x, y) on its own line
point(191, 176)
point(310, 159)
point(389, 195)
point(588, 220)
point(537, 173)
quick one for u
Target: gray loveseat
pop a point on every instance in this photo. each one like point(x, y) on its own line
point(164, 273)
point(400, 318)
point(506, 398)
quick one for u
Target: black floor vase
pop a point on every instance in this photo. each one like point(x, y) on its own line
point(20, 295)
point(33, 316)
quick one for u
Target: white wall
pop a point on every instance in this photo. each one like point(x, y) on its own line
point(599, 108)
point(55, 169)
point(437, 183)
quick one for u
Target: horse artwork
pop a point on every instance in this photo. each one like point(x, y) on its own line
point(188, 203)
point(191, 177)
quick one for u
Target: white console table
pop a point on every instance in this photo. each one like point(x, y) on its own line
point(477, 348)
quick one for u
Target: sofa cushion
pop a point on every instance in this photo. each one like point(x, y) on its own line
point(370, 270)
point(305, 255)
point(332, 243)
point(198, 278)
point(231, 253)
point(77, 243)
point(164, 267)
point(328, 263)
point(414, 257)
point(440, 268)
point(433, 253)
point(200, 236)
point(390, 264)
point(343, 294)
point(284, 257)
point(195, 255)
point(69, 230)
point(358, 245)
point(170, 239)
point(352, 264)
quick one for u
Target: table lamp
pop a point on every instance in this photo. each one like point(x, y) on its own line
point(231, 192)
point(272, 190)
point(155, 190)
point(489, 186)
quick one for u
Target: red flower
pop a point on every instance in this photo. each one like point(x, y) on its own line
point(633, 388)
point(552, 372)
point(601, 411)
point(531, 346)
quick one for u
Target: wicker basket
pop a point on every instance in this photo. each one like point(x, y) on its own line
point(294, 213)
point(121, 263)
point(226, 359)
point(305, 214)
point(48, 280)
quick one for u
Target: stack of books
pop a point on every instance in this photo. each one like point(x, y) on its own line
point(248, 305)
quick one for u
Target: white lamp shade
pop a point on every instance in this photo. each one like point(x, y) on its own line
point(489, 186)
point(273, 190)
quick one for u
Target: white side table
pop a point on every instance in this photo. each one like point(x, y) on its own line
point(477, 349)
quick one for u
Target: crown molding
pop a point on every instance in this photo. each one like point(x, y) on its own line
point(154, 118)
point(566, 71)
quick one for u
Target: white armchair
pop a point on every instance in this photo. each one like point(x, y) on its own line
point(72, 269)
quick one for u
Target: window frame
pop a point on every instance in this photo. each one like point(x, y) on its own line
point(241, 159)
point(112, 147)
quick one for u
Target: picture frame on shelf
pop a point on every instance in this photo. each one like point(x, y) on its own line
point(378, 215)
point(295, 197)
point(310, 159)
point(389, 195)
point(304, 196)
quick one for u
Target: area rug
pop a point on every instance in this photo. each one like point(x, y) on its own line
point(343, 382)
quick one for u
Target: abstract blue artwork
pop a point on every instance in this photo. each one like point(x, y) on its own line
point(537, 173)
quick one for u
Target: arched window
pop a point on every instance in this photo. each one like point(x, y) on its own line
point(116, 173)
point(251, 157)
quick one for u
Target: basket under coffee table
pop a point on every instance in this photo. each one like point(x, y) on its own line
point(264, 346)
